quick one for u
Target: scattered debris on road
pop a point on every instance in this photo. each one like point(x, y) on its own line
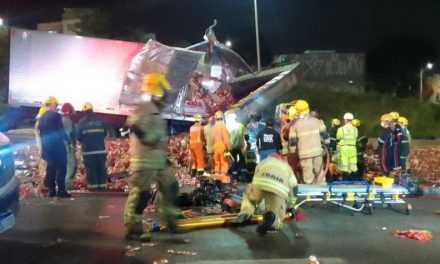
point(421, 235)
point(313, 260)
point(150, 244)
point(161, 261)
point(131, 251)
point(104, 217)
point(183, 253)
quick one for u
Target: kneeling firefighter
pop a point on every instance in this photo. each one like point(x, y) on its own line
point(148, 143)
point(273, 182)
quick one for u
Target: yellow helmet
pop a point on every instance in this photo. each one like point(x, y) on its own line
point(198, 117)
point(41, 112)
point(356, 122)
point(394, 115)
point(218, 115)
point(403, 121)
point(51, 100)
point(87, 107)
point(302, 107)
point(386, 117)
point(291, 112)
point(155, 84)
point(336, 122)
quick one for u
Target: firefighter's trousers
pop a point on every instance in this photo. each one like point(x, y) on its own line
point(197, 157)
point(140, 194)
point(273, 203)
point(312, 170)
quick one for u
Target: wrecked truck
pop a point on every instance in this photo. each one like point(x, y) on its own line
point(206, 77)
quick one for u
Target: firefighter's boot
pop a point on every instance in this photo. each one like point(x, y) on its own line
point(135, 231)
point(268, 221)
point(241, 220)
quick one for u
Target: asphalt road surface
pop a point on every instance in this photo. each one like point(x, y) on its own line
point(71, 231)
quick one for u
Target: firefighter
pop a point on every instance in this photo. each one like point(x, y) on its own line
point(361, 147)
point(346, 137)
point(386, 144)
point(91, 133)
point(252, 157)
point(397, 135)
point(42, 164)
point(148, 144)
point(405, 141)
point(53, 142)
point(254, 127)
point(284, 133)
point(239, 143)
point(68, 112)
point(274, 182)
point(221, 149)
point(336, 123)
point(268, 141)
point(305, 137)
point(196, 143)
point(209, 142)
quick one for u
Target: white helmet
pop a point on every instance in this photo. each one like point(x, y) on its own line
point(348, 116)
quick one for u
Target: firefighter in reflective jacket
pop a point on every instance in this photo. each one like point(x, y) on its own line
point(405, 140)
point(386, 144)
point(346, 137)
point(92, 132)
point(196, 143)
point(148, 144)
point(239, 143)
point(221, 149)
point(305, 137)
point(274, 182)
point(361, 147)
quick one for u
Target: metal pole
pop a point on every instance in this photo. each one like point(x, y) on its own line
point(257, 37)
point(421, 86)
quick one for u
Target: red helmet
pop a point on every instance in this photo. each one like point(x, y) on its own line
point(67, 109)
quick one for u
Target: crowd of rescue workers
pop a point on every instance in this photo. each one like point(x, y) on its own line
point(225, 150)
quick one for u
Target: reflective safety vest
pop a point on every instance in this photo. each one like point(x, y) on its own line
point(347, 135)
point(196, 134)
point(236, 136)
point(275, 176)
point(305, 136)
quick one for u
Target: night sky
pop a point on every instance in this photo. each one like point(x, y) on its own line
point(406, 33)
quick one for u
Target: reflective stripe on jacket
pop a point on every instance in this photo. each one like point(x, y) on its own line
point(276, 176)
point(305, 137)
point(347, 135)
point(91, 134)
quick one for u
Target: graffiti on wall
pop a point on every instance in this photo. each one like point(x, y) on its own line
point(332, 64)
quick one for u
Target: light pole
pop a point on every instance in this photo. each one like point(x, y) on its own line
point(257, 37)
point(429, 67)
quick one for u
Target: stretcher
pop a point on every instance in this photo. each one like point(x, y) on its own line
point(358, 196)
point(211, 221)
